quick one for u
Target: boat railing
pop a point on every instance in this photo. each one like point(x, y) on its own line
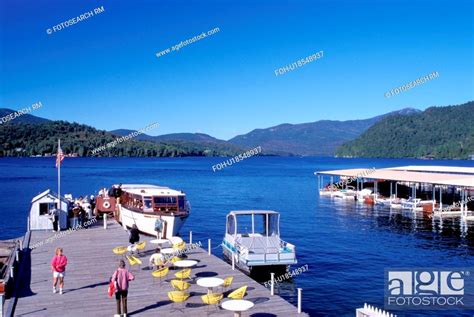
point(267, 250)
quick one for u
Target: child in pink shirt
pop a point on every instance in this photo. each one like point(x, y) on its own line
point(58, 266)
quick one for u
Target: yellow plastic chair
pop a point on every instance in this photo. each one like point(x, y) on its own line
point(160, 273)
point(238, 293)
point(183, 274)
point(227, 282)
point(175, 259)
point(140, 246)
point(133, 260)
point(178, 297)
point(180, 285)
point(212, 299)
point(120, 251)
point(179, 246)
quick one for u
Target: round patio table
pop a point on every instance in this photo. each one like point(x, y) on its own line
point(176, 240)
point(185, 263)
point(210, 282)
point(168, 251)
point(237, 306)
point(160, 242)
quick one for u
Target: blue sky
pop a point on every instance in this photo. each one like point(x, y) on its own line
point(103, 71)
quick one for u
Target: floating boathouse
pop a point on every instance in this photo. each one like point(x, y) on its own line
point(437, 184)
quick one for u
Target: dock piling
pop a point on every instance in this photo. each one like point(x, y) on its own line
point(2, 303)
point(209, 246)
point(105, 221)
point(190, 237)
point(272, 284)
point(299, 300)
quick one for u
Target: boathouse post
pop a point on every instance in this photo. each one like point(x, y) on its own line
point(209, 246)
point(105, 221)
point(441, 198)
point(299, 300)
point(272, 284)
point(332, 178)
point(391, 193)
point(190, 237)
point(434, 197)
point(376, 188)
point(463, 197)
point(414, 196)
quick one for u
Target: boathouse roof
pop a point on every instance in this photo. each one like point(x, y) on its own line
point(401, 175)
point(250, 212)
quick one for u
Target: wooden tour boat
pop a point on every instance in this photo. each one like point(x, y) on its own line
point(141, 205)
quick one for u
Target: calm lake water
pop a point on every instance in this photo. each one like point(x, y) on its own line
point(347, 246)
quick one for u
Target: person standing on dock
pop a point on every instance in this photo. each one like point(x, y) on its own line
point(158, 227)
point(134, 237)
point(121, 277)
point(58, 266)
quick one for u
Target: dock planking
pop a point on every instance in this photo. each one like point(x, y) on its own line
point(91, 263)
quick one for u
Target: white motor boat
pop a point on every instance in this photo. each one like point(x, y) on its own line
point(416, 204)
point(141, 205)
point(253, 238)
point(348, 193)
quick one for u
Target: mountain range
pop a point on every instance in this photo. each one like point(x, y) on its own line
point(365, 137)
point(319, 138)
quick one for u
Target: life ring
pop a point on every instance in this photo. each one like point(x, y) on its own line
point(106, 204)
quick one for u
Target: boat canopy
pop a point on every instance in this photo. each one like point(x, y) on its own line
point(251, 223)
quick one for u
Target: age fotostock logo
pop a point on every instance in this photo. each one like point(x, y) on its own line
point(428, 289)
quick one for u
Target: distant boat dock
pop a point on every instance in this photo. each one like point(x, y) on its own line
point(440, 190)
point(91, 264)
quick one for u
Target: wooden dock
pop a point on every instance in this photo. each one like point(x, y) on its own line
point(91, 263)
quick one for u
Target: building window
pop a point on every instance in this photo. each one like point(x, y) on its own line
point(44, 208)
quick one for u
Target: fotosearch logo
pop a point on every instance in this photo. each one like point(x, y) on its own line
point(428, 289)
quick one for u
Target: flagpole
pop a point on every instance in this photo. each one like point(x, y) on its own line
point(59, 181)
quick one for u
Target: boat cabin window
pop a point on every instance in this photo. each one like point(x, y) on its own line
point(147, 203)
point(244, 225)
point(181, 202)
point(273, 224)
point(132, 201)
point(44, 208)
point(161, 200)
point(230, 225)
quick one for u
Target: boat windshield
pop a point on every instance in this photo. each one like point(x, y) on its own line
point(255, 225)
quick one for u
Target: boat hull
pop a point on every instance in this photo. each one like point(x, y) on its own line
point(146, 223)
point(242, 264)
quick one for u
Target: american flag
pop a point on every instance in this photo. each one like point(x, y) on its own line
point(59, 157)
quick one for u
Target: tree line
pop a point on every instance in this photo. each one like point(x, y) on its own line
point(41, 139)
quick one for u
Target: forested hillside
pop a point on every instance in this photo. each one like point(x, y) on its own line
point(41, 139)
point(437, 132)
